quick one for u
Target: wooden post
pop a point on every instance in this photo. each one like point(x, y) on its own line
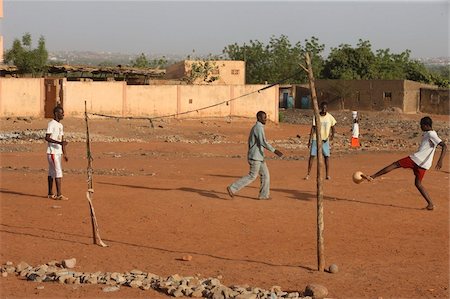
point(89, 194)
point(320, 247)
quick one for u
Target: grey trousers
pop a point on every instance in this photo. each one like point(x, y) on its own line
point(256, 167)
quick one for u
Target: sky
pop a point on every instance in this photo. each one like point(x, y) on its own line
point(207, 27)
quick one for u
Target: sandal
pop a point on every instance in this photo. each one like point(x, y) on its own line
point(61, 197)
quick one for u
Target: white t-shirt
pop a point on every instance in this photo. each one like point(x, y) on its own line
point(55, 129)
point(355, 130)
point(326, 122)
point(424, 155)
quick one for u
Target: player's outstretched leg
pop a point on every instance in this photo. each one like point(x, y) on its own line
point(383, 171)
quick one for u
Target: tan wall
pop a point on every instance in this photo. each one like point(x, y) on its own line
point(154, 100)
point(119, 99)
point(102, 97)
point(435, 101)
point(411, 103)
point(248, 106)
point(192, 97)
point(21, 97)
point(368, 94)
point(226, 67)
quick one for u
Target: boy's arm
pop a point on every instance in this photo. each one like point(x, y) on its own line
point(332, 133)
point(441, 157)
point(64, 143)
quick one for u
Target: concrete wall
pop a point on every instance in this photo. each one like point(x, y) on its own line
point(119, 99)
point(434, 101)
point(154, 100)
point(21, 97)
point(375, 95)
point(101, 97)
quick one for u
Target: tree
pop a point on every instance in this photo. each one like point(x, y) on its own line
point(202, 71)
point(26, 59)
point(142, 62)
point(277, 61)
point(349, 63)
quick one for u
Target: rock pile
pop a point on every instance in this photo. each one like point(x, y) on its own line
point(174, 285)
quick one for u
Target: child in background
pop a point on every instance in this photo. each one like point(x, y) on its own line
point(355, 130)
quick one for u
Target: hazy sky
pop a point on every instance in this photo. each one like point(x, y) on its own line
point(178, 27)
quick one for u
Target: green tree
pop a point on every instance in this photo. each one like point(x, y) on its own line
point(25, 58)
point(278, 60)
point(142, 62)
point(346, 62)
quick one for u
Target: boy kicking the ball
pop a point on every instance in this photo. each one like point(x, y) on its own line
point(421, 160)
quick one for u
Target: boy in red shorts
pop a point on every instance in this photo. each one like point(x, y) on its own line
point(421, 160)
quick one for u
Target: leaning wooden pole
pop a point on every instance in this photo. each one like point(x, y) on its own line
point(320, 246)
point(89, 194)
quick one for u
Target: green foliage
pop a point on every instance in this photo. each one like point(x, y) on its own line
point(348, 63)
point(276, 61)
point(345, 62)
point(440, 75)
point(25, 58)
point(203, 70)
point(142, 62)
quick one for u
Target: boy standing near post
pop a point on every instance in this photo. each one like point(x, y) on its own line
point(421, 160)
point(327, 122)
point(55, 150)
point(256, 144)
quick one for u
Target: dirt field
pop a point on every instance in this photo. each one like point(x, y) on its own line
point(160, 194)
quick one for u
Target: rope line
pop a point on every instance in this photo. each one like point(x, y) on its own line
point(198, 109)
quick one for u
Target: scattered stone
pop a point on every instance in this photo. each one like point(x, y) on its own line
point(22, 266)
point(69, 263)
point(40, 287)
point(174, 285)
point(316, 291)
point(111, 289)
point(187, 258)
point(333, 269)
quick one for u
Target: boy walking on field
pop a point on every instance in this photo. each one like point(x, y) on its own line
point(421, 160)
point(256, 159)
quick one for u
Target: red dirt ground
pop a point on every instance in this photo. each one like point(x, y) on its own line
point(172, 202)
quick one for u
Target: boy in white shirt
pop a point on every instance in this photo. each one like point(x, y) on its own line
point(327, 123)
point(55, 149)
point(421, 160)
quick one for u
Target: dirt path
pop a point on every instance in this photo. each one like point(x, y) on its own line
point(160, 197)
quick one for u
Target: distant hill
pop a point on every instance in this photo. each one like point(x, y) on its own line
point(101, 58)
point(113, 59)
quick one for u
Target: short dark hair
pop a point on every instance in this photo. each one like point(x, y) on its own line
point(426, 121)
point(57, 108)
point(323, 103)
point(260, 114)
